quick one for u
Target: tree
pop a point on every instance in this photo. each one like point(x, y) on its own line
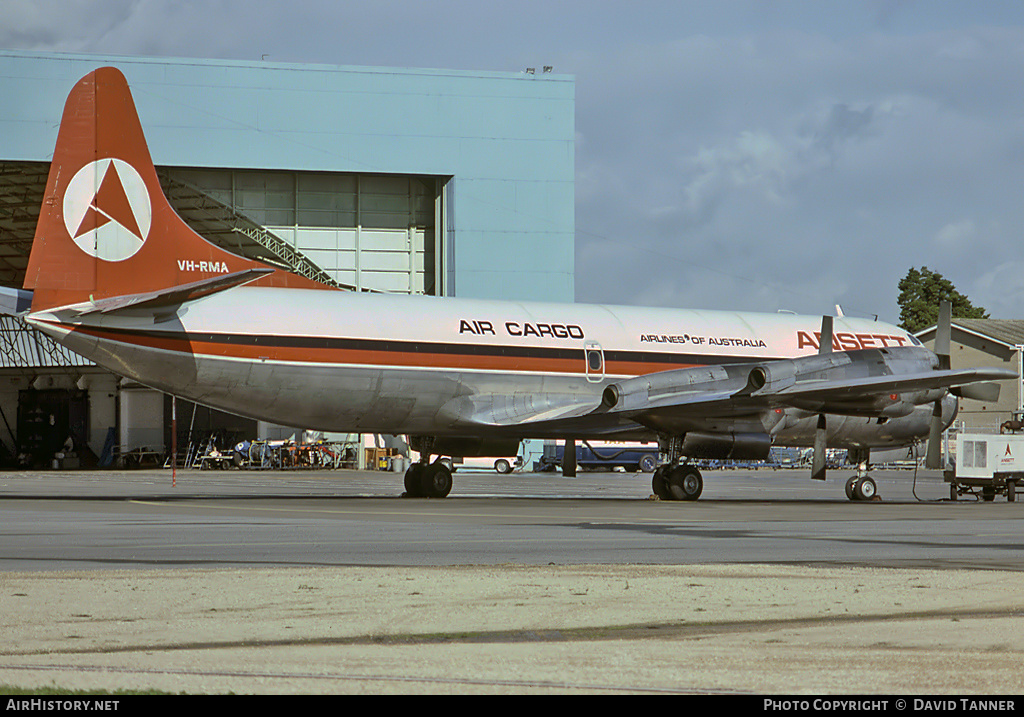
point(920, 294)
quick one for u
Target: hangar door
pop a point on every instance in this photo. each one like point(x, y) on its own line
point(369, 231)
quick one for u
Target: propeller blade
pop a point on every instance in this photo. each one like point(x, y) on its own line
point(933, 459)
point(943, 333)
point(818, 457)
point(825, 343)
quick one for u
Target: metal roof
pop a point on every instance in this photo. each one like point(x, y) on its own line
point(1009, 332)
point(22, 346)
point(22, 185)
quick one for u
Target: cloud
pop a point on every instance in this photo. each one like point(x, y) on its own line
point(62, 25)
point(739, 156)
point(753, 160)
point(956, 235)
point(802, 164)
point(1001, 290)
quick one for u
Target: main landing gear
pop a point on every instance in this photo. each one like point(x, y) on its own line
point(677, 482)
point(424, 479)
point(428, 480)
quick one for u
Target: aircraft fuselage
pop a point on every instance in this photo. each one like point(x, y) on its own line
point(345, 361)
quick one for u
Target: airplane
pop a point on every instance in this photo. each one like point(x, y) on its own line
point(116, 276)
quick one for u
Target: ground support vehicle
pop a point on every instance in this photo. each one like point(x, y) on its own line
point(987, 464)
point(604, 456)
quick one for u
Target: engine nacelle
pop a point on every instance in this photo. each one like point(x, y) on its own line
point(643, 391)
point(773, 376)
point(735, 446)
point(466, 446)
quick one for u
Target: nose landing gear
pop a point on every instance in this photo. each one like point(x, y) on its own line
point(862, 488)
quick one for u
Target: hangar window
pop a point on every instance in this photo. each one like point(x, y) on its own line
point(369, 231)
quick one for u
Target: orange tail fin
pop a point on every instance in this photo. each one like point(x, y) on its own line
point(105, 228)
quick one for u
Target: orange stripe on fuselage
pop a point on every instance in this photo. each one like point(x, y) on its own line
point(423, 357)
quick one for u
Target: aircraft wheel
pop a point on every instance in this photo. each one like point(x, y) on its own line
point(660, 485)
point(685, 483)
point(865, 489)
point(436, 481)
point(413, 480)
point(851, 486)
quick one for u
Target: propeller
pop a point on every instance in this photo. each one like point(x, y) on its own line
point(943, 333)
point(818, 457)
point(825, 342)
point(820, 433)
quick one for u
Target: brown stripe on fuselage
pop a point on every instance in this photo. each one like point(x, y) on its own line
point(350, 351)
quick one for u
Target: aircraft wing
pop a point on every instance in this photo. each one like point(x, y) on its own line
point(873, 382)
point(868, 382)
point(829, 391)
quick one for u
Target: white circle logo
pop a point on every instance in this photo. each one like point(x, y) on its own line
point(107, 210)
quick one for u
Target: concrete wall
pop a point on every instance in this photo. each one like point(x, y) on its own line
point(141, 419)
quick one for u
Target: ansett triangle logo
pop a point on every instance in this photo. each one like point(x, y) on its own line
point(107, 210)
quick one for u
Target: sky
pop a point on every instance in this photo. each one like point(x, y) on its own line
point(736, 154)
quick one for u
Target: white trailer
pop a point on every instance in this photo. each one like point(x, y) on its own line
point(987, 464)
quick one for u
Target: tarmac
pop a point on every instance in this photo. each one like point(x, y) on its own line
point(513, 629)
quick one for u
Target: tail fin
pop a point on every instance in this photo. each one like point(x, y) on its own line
point(105, 228)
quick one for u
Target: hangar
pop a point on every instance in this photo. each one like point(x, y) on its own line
point(986, 342)
point(438, 182)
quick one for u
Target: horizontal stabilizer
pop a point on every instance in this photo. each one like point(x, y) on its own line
point(175, 295)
